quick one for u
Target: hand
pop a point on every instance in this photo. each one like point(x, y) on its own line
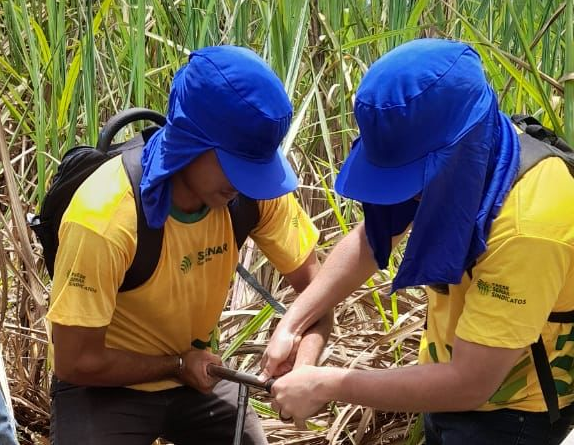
point(301, 393)
point(194, 372)
point(280, 354)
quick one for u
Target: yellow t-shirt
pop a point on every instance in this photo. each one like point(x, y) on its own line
point(182, 301)
point(526, 272)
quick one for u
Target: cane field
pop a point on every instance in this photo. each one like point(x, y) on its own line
point(66, 66)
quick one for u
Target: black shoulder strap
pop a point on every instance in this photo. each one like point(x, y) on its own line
point(544, 373)
point(532, 151)
point(537, 143)
point(148, 252)
point(561, 317)
point(244, 213)
point(531, 126)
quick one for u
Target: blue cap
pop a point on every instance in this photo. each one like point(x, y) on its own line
point(419, 98)
point(233, 101)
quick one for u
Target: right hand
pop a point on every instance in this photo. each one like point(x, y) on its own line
point(194, 372)
point(280, 354)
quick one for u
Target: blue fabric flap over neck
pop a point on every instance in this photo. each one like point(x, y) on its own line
point(430, 124)
point(469, 184)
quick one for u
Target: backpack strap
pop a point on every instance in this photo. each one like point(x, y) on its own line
point(532, 151)
point(543, 370)
point(244, 213)
point(534, 128)
point(147, 253)
point(537, 143)
point(545, 378)
point(561, 317)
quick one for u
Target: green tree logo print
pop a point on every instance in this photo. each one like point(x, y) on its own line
point(483, 287)
point(186, 263)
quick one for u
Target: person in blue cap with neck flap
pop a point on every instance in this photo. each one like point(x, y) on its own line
point(435, 154)
point(130, 366)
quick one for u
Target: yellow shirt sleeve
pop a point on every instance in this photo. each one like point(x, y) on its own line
point(285, 233)
point(509, 299)
point(88, 272)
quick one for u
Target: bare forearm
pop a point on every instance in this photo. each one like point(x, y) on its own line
point(314, 341)
point(348, 266)
point(422, 388)
point(463, 384)
point(113, 367)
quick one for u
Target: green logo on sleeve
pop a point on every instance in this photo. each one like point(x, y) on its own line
point(500, 291)
point(483, 287)
point(77, 279)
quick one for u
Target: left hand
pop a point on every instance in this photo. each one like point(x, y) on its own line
point(280, 353)
point(194, 372)
point(300, 393)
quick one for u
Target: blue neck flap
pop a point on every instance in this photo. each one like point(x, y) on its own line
point(170, 149)
point(465, 186)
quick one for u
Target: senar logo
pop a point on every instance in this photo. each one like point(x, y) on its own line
point(201, 257)
point(186, 263)
point(207, 254)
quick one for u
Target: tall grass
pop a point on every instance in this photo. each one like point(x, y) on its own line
point(66, 67)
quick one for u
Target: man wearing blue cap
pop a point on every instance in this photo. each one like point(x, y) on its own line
point(437, 155)
point(131, 365)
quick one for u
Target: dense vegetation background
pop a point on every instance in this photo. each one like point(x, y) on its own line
point(66, 66)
